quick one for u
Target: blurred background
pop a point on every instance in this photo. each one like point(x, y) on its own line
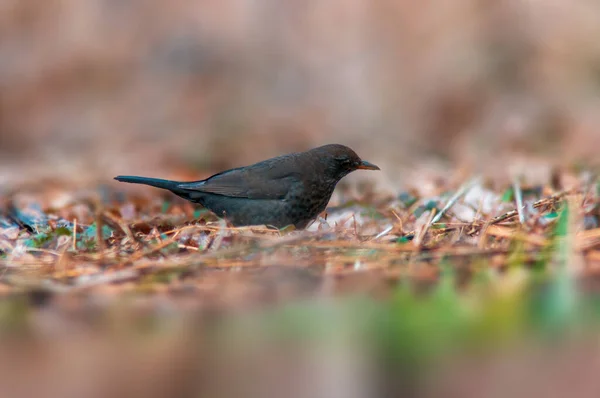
point(109, 86)
point(90, 89)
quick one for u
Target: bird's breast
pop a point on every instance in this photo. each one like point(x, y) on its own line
point(306, 202)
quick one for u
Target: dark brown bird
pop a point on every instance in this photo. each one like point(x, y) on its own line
point(286, 190)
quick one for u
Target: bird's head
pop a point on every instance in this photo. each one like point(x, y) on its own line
point(341, 160)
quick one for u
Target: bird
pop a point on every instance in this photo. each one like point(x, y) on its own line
point(286, 190)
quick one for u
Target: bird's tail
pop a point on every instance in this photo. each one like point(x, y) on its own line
point(154, 182)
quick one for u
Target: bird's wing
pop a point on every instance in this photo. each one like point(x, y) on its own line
point(260, 181)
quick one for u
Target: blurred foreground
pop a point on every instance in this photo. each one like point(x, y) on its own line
point(488, 342)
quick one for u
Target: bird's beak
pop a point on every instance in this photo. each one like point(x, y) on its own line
point(364, 165)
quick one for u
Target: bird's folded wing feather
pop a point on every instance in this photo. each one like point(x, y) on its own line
point(251, 183)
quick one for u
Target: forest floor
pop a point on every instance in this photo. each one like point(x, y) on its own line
point(411, 278)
